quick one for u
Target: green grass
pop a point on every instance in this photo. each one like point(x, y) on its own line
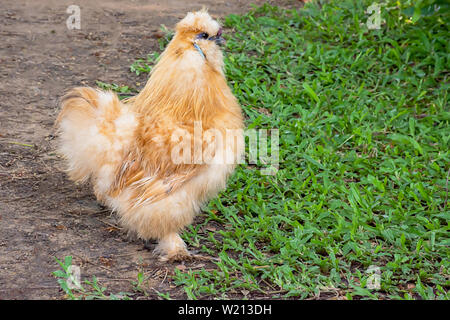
point(88, 289)
point(364, 131)
point(364, 138)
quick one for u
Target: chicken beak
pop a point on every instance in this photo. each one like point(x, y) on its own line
point(217, 39)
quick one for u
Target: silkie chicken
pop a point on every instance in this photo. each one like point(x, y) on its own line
point(126, 149)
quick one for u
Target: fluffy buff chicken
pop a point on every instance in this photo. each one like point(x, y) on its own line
point(130, 150)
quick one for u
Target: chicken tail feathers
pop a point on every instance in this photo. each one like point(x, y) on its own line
point(94, 128)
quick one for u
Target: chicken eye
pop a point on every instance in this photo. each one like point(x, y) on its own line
point(203, 35)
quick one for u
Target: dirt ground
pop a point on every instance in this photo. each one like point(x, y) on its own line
point(42, 214)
